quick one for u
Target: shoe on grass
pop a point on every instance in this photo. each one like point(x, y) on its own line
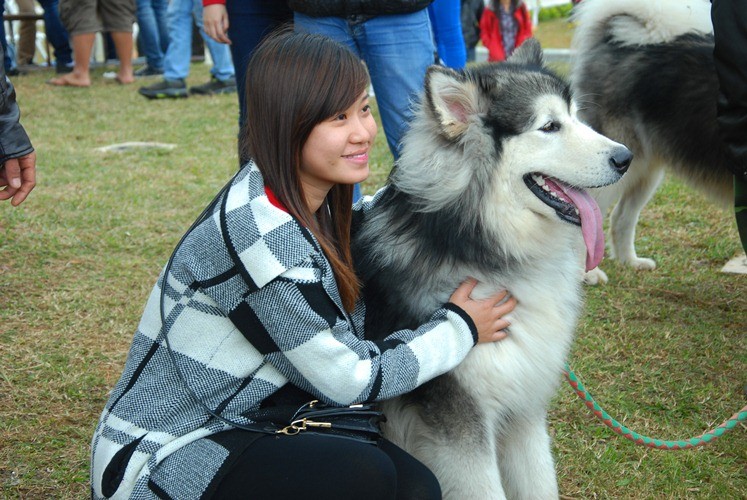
point(215, 86)
point(148, 71)
point(165, 89)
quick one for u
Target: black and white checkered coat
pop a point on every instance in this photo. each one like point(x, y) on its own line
point(251, 305)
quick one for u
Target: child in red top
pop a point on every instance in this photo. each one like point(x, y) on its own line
point(504, 25)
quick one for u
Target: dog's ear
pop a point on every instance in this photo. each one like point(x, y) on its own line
point(452, 98)
point(528, 53)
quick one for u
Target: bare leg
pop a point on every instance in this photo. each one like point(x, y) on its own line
point(81, 74)
point(123, 44)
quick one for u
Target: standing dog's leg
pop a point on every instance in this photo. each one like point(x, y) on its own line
point(625, 215)
point(526, 462)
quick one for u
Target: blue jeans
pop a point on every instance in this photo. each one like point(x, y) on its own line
point(9, 53)
point(56, 33)
point(248, 22)
point(179, 54)
point(154, 33)
point(397, 49)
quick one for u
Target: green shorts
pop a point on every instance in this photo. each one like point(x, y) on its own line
point(92, 16)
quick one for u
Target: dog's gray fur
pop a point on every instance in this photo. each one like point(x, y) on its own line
point(459, 204)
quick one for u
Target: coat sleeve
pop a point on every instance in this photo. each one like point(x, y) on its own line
point(305, 335)
point(14, 143)
point(525, 25)
point(489, 34)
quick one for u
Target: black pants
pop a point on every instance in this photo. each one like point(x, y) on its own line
point(312, 466)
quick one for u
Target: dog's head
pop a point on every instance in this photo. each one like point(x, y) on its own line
point(501, 141)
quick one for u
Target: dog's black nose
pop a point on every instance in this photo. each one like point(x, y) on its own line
point(620, 159)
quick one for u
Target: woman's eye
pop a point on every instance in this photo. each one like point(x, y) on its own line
point(366, 108)
point(550, 127)
point(341, 116)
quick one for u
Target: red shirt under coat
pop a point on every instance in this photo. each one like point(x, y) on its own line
point(490, 31)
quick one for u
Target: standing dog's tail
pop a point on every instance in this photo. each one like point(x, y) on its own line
point(637, 22)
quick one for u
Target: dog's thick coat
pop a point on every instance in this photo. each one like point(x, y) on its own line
point(644, 75)
point(471, 196)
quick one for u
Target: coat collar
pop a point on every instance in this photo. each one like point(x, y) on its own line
point(262, 238)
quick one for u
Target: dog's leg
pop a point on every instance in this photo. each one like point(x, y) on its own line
point(526, 462)
point(625, 215)
point(466, 472)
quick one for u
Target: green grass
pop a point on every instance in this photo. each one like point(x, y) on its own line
point(663, 351)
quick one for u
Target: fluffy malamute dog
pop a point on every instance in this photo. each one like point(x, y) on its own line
point(491, 184)
point(644, 76)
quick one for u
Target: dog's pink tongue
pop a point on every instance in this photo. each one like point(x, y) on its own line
point(591, 224)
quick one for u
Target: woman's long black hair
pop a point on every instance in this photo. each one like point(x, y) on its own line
point(294, 81)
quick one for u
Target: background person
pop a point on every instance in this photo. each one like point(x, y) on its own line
point(83, 19)
point(262, 309)
point(446, 21)
point(730, 56)
point(153, 35)
point(242, 24)
point(181, 16)
point(504, 25)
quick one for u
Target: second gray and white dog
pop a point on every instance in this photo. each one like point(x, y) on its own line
point(644, 75)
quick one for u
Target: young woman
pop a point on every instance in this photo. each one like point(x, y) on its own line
point(504, 25)
point(261, 307)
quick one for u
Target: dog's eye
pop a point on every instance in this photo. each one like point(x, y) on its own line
point(550, 127)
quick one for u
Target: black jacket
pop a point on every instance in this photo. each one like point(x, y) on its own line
point(345, 8)
point(471, 14)
point(14, 143)
point(730, 56)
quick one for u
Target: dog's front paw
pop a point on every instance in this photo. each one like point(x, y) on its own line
point(641, 263)
point(595, 277)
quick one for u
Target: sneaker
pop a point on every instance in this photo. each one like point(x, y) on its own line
point(165, 89)
point(215, 86)
point(148, 71)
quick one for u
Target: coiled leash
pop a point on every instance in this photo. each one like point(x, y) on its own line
point(617, 427)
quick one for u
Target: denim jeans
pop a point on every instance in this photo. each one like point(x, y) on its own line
point(9, 53)
point(154, 33)
point(179, 53)
point(397, 49)
point(248, 22)
point(56, 33)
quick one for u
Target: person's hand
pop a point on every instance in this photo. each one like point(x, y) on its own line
point(215, 22)
point(18, 177)
point(487, 314)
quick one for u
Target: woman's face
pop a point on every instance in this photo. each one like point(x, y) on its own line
point(336, 151)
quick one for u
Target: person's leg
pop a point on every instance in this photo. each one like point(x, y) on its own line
point(57, 35)
point(150, 36)
point(123, 43)
point(398, 50)
point(292, 466)
point(80, 20)
point(178, 55)
point(249, 22)
point(81, 75)
point(26, 34)
point(222, 68)
point(740, 209)
point(118, 16)
point(162, 25)
point(8, 61)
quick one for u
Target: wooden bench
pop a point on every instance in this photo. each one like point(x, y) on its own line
point(9, 18)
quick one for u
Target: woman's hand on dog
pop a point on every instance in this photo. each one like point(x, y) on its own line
point(487, 314)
